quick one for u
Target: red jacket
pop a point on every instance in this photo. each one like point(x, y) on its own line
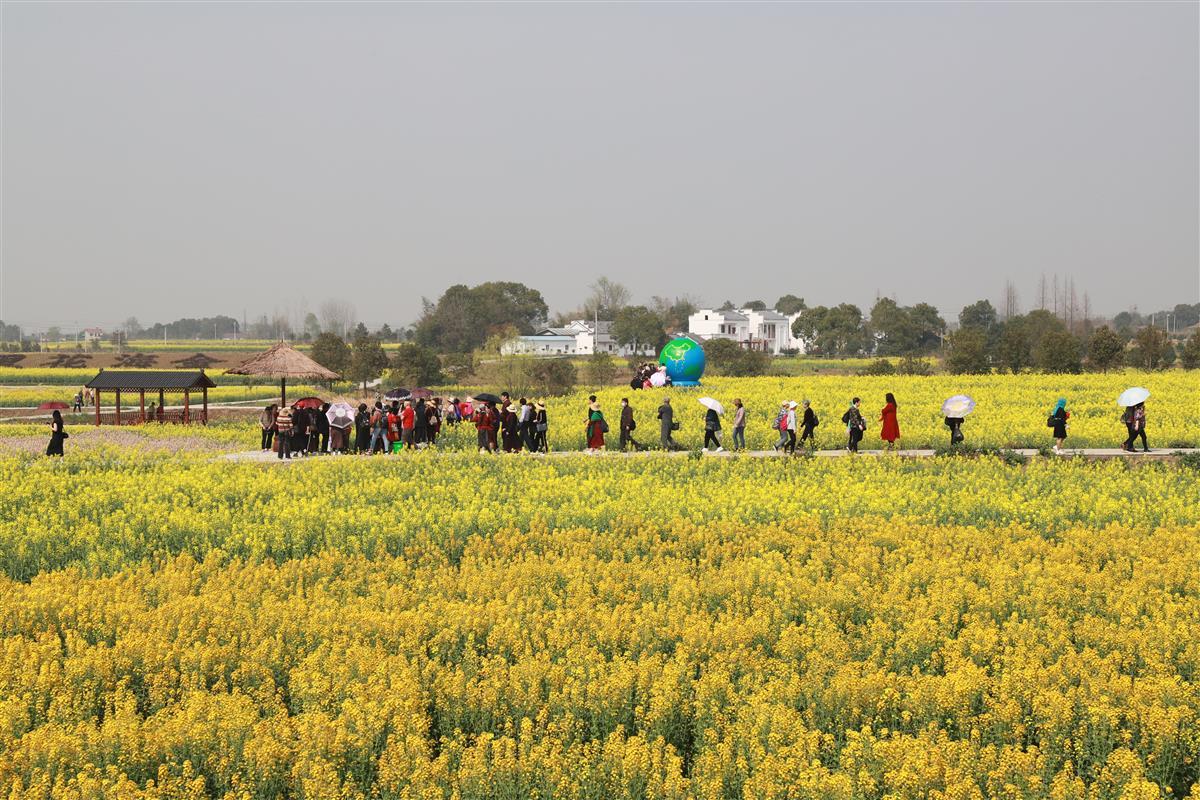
point(891, 429)
point(407, 419)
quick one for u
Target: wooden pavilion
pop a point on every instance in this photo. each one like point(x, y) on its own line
point(283, 361)
point(162, 382)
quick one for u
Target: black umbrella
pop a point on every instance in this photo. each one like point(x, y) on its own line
point(485, 397)
point(397, 394)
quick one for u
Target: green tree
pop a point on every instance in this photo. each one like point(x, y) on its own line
point(1150, 345)
point(968, 353)
point(312, 326)
point(552, 376)
point(331, 352)
point(673, 313)
point(638, 326)
point(1189, 355)
point(360, 332)
point(600, 369)
point(755, 305)
point(980, 315)
point(727, 306)
point(1058, 352)
point(464, 317)
point(367, 360)
point(1105, 349)
point(789, 304)
point(895, 331)
point(415, 365)
point(727, 357)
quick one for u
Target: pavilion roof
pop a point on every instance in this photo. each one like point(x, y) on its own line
point(284, 361)
point(152, 379)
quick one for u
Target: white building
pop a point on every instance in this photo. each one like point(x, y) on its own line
point(581, 337)
point(766, 330)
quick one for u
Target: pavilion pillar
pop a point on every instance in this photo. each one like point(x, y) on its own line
point(96, 394)
point(204, 419)
point(161, 410)
point(118, 406)
point(283, 392)
point(185, 406)
point(142, 404)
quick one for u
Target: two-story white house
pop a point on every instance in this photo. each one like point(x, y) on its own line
point(580, 337)
point(766, 330)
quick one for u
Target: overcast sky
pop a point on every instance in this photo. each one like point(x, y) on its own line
point(167, 160)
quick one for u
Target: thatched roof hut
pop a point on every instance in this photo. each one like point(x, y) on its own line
point(284, 361)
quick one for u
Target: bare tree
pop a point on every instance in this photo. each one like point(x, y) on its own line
point(1087, 313)
point(607, 298)
point(337, 316)
point(1011, 307)
point(1071, 303)
point(1042, 293)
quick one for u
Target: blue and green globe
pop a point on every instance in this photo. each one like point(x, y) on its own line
point(684, 360)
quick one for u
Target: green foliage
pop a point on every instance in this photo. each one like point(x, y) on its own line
point(755, 305)
point(1150, 349)
point(968, 353)
point(1105, 349)
point(465, 317)
point(1189, 354)
point(367, 359)
point(1058, 351)
point(880, 366)
point(414, 365)
point(789, 304)
point(726, 357)
point(552, 376)
point(980, 315)
point(900, 330)
point(838, 331)
point(911, 365)
point(638, 326)
point(331, 352)
point(600, 370)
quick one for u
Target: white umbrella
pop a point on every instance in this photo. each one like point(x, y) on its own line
point(1132, 396)
point(659, 378)
point(958, 406)
point(708, 402)
point(341, 415)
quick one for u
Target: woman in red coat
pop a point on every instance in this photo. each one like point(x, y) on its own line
point(890, 431)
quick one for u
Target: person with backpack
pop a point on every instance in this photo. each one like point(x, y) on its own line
point(809, 424)
point(739, 425)
point(596, 428)
point(1135, 422)
point(890, 431)
point(628, 424)
point(712, 426)
point(780, 426)
point(1058, 421)
point(667, 425)
point(855, 425)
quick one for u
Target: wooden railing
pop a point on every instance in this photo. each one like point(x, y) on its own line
point(167, 417)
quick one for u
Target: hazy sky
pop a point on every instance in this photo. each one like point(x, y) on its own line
point(166, 160)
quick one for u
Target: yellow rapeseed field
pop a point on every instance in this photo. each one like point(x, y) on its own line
point(458, 626)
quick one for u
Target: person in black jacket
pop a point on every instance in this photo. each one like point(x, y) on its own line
point(362, 429)
point(57, 434)
point(322, 428)
point(712, 424)
point(855, 425)
point(1058, 421)
point(627, 426)
point(808, 425)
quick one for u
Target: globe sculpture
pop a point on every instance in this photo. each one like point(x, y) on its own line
point(684, 360)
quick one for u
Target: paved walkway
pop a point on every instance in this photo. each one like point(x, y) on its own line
point(1091, 454)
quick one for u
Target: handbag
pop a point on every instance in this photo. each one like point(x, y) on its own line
point(603, 425)
point(674, 426)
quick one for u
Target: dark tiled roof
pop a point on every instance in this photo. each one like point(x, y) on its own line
point(150, 379)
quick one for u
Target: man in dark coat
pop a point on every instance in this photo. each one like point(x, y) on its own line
point(666, 420)
point(627, 426)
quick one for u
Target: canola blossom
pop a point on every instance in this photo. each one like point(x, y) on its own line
point(463, 626)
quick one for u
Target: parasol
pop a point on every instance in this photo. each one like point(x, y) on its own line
point(421, 394)
point(1132, 396)
point(709, 402)
point(307, 402)
point(341, 415)
point(53, 405)
point(283, 362)
point(958, 406)
point(487, 397)
point(659, 378)
point(398, 394)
